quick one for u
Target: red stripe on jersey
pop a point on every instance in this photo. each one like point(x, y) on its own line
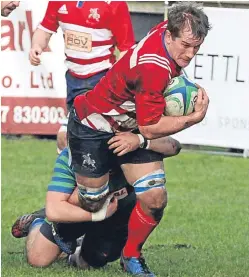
point(101, 43)
point(84, 76)
point(91, 124)
point(88, 61)
point(111, 121)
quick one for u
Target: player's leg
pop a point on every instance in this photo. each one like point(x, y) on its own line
point(144, 170)
point(90, 159)
point(41, 250)
point(45, 243)
point(104, 241)
point(98, 251)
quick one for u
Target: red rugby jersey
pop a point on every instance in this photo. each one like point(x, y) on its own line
point(131, 93)
point(91, 31)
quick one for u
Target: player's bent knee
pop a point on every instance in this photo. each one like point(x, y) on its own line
point(157, 199)
point(36, 261)
point(155, 202)
point(40, 250)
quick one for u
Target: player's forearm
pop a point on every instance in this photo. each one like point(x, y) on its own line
point(66, 212)
point(41, 38)
point(167, 125)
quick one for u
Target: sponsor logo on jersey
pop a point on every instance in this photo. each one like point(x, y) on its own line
point(63, 9)
point(120, 194)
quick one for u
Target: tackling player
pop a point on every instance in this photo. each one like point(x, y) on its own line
point(130, 96)
point(105, 234)
point(92, 30)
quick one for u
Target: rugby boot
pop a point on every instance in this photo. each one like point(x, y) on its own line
point(21, 226)
point(135, 266)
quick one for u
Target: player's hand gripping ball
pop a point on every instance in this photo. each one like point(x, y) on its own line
point(180, 96)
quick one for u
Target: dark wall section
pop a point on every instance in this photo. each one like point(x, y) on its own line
point(143, 22)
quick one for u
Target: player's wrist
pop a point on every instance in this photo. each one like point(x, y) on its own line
point(99, 216)
point(102, 213)
point(144, 143)
point(192, 119)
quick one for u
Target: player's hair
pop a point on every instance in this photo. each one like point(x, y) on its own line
point(188, 14)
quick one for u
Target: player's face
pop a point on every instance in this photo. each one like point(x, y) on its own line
point(183, 48)
point(8, 6)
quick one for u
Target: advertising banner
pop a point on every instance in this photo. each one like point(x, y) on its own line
point(32, 98)
point(222, 68)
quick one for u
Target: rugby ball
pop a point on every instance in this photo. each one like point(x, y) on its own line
point(180, 96)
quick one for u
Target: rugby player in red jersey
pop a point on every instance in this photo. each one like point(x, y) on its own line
point(130, 98)
point(91, 30)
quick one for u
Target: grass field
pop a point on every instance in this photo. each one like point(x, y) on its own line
point(204, 232)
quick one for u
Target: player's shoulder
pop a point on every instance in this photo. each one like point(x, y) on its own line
point(56, 5)
point(63, 157)
point(154, 58)
point(161, 27)
point(63, 162)
point(114, 5)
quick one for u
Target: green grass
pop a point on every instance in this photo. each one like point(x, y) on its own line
point(204, 232)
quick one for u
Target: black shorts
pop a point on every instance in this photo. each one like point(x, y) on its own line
point(104, 240)
point(90, 154)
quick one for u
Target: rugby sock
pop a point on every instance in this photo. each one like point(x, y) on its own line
point(139, 228)
point(36, 222)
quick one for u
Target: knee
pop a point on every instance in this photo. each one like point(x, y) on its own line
point(37, 260)
point(157, 199)
point(154, 202)
point(150, 190)
point(159, 204)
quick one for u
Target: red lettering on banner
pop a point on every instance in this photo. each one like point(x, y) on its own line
point(10, 33)
point(40, 80)
point(6, 81)
point(32, 85)
point(50, 81)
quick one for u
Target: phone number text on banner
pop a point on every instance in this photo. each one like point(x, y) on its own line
point(32, 115)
